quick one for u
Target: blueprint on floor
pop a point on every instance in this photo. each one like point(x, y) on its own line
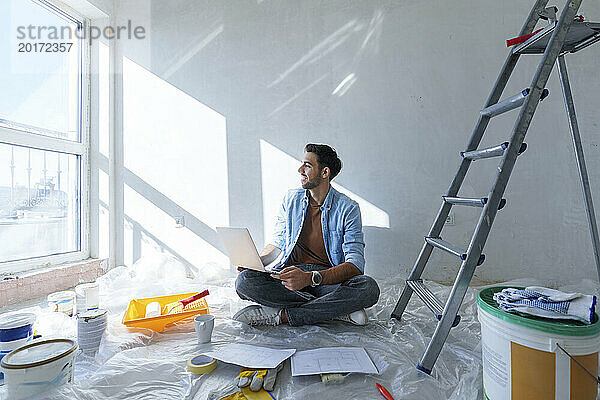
point(329, 360)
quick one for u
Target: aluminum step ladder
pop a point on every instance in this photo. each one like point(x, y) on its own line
point(553, 41)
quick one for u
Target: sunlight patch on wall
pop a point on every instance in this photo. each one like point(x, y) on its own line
point(103, 99)
point(278, 175)
point(344, 85)
point(175, 144)
point(103, 215)
point(371, 214)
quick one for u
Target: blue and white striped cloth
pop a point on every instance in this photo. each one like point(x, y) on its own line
point(547, 303)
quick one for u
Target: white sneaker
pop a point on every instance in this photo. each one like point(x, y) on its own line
point(256, 315)
point(357, 317)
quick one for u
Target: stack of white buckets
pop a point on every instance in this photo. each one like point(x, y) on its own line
point(90, 328)
point(91, 320)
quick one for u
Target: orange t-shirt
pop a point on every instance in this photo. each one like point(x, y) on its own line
point(310, 248)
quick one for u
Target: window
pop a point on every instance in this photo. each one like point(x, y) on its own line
point(44, 140)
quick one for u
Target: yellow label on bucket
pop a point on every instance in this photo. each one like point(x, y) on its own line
point(532, 373)
point(583, 386)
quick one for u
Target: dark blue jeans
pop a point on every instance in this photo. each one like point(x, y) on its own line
point(311, 304)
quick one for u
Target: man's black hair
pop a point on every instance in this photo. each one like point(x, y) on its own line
point(326, 157)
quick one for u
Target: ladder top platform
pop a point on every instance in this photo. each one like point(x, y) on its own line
point(578, 33)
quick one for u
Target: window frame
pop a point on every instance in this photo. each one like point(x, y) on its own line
point(31, 137)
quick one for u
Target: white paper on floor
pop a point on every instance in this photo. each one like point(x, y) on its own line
point(141, 364)
point(250, 356)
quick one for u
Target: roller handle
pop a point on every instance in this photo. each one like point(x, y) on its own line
point(195, 297)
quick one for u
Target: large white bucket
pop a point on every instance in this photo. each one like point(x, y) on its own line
point(16, 330)
point(522, 361)
point(38, 367)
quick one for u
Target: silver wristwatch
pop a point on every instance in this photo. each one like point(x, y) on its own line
point(317, 278)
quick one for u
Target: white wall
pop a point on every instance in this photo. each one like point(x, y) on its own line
point(220, 98)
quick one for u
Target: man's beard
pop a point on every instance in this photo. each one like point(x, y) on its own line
point(312, 184)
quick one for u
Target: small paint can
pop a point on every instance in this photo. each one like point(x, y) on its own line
point(88, 296)
point(63, 302)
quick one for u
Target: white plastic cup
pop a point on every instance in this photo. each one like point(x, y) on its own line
point(88, 296)
point(204, 325)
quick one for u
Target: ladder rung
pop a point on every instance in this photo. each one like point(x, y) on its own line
point(452, 249)
point(476, 202)
point(448, 247)
point(510, 103)
point(463, 201)
point(489, 152)
point(430, 300)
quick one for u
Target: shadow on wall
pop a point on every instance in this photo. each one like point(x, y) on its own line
point(141, 239)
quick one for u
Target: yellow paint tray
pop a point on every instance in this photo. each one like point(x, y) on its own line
point(136, 311)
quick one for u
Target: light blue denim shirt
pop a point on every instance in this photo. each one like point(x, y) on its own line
point(340, 220)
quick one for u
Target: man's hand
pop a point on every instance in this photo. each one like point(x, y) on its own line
point(294, 278)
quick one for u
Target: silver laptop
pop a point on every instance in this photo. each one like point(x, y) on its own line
point(242, 251)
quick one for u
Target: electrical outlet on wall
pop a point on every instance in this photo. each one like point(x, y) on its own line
point(450, 220)
point(179, 221)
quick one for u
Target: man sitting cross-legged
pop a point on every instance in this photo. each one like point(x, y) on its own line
point(319, 231)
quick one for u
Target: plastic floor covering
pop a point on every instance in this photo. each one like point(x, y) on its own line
point(141, 364)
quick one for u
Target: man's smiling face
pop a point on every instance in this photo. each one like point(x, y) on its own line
point(310, 172)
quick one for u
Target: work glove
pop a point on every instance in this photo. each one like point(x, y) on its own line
point(257, 379)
